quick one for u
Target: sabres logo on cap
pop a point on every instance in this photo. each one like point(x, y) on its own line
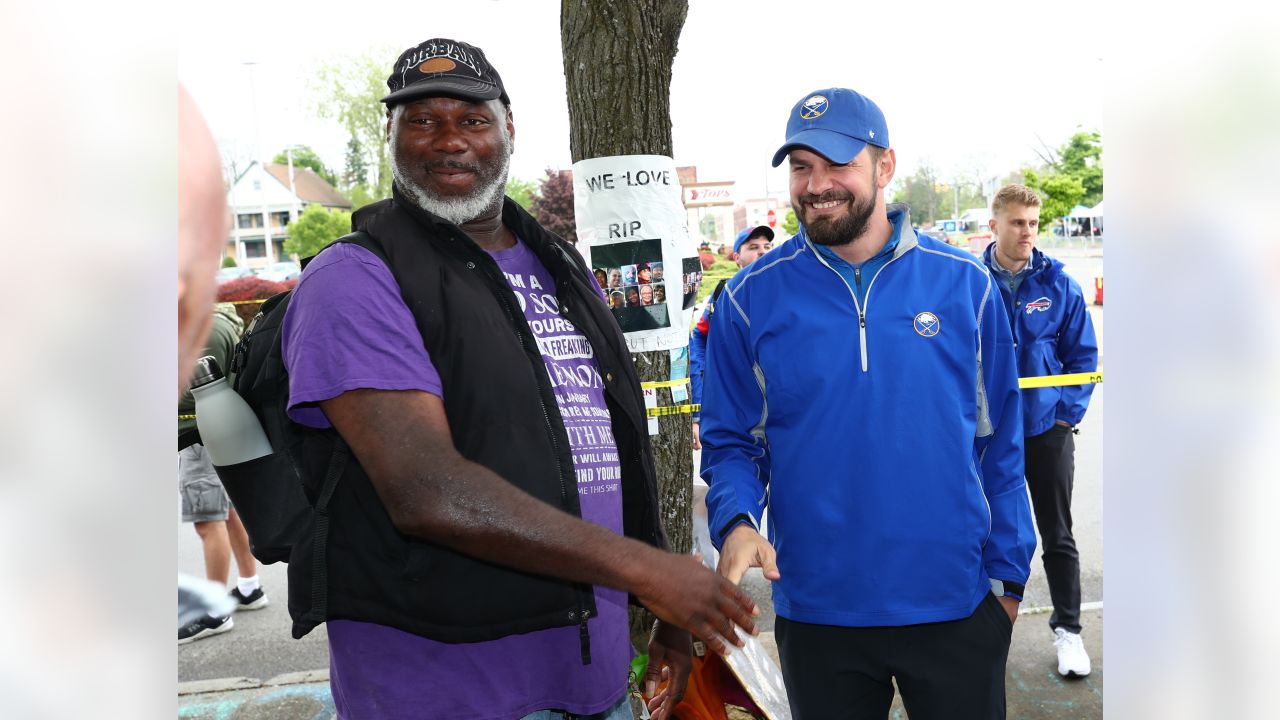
point(926, 323)
point(813, 107)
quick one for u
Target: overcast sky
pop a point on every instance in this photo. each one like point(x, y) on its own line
point(963, 86)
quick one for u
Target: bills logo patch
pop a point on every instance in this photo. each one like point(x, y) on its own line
point(1039, 304)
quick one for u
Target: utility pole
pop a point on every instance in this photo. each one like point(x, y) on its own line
point(262, 165)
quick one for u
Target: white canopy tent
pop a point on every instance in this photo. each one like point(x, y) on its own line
point(1090, 219)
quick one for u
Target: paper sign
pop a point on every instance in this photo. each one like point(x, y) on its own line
point(632, 231)
point(651, 401)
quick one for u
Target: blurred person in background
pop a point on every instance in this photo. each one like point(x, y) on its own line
point(203, 223)
point(205, 502)
point(750, 244)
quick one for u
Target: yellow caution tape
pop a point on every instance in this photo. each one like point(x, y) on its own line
point(673, 410)
point(665, 383)
point(1058, 380)
point(1028, 382)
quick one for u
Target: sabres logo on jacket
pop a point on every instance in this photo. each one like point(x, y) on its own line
point(1039, 304)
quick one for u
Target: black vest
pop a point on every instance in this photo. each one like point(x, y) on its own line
point(502, 412)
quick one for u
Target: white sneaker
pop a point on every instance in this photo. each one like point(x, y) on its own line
point(1073, 661)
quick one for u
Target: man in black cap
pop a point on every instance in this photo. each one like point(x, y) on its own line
point(502, 505)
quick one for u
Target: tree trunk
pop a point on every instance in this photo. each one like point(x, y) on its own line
point(617, 68)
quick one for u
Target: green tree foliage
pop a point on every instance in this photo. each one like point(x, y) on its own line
point(304, 156)
point(1081, 158)
point(348, 89)
point(522, 191)
point(553, 204)
point(228, 261)
point(931, 198)
point(1058, 194)
point(315, 228)
point(1072, 176)
point(920, 192)
point(790, 224)
point(355, 170)
point(707, 226)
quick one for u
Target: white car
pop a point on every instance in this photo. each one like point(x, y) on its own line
point(280, 272)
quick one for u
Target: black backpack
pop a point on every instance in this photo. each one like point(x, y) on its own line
point(278, 503)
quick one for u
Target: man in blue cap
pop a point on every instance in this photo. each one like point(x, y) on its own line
point(861, 385)
point(750, 244)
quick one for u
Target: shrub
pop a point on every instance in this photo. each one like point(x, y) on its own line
point(228, 261)
point(245, 291)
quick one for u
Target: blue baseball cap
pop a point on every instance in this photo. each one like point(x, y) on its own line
point(751, 232)
point(836, 123)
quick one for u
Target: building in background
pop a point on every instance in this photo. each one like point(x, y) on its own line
point(264, 200)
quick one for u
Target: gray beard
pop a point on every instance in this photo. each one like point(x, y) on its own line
point(460, 209)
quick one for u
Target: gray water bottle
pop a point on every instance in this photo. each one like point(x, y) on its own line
point(228, 428)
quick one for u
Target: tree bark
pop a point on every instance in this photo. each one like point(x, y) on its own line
point(617, 68)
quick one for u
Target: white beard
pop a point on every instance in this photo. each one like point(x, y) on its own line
point(456, 210)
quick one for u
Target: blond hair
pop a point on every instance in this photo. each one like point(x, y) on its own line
point(1014, 195)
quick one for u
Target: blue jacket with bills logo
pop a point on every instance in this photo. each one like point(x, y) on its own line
point(883, 436)
point(1052, 335)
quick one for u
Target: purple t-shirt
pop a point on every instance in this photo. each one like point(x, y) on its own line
point(347, 328)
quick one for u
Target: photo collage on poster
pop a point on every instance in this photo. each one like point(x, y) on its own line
point(634, 283)
point(692, 281)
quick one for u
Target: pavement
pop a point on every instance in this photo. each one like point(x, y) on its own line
point(1034, 689)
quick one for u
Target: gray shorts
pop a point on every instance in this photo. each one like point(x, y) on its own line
point(203, 499)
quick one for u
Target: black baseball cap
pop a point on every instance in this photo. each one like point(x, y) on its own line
point(444, 67)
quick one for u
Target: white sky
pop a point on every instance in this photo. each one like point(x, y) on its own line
point(964, 85)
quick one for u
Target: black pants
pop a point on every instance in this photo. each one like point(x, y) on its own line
point(946, 670)
point(1050, 468)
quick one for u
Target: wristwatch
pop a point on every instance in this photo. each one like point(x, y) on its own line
point(1000, 588)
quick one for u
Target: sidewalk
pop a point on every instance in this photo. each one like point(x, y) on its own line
point(1034, 689)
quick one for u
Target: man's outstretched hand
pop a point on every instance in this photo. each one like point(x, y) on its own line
point(745, 548)
point(686, 594)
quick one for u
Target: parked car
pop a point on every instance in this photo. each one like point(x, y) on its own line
point(280, 272)
point(936, 234)
point(228, 274)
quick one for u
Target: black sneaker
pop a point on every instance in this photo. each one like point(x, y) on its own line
point(253, 601)
point(203, 628)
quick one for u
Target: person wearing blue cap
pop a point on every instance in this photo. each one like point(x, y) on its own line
point(862, 387)
point(750, 244)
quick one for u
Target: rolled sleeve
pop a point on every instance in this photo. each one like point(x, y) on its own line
point(347, 328)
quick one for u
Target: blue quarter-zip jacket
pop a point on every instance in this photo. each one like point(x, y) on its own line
point(1053, 335)
point(883, 435)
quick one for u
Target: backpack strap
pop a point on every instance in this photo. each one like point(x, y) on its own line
point(319, 609)
point(320, 534)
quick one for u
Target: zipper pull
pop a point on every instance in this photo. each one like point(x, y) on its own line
point(585, 640)
point(862, 320)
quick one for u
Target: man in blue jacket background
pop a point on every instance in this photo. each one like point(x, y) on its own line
point(750, 244)
point(861, 383)
point(1053, 335)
